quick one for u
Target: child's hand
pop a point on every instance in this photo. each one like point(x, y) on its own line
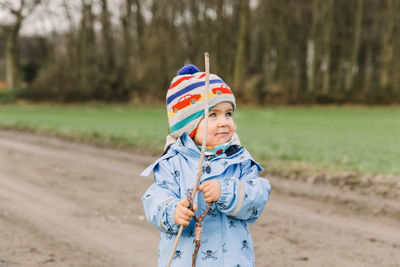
point(183, 214)
point(211, 190)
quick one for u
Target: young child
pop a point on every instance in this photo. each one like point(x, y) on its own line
point(229, 181)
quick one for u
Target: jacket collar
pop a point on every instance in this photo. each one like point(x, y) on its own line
point(233, 149)
point(170, 140)
point(188, 148)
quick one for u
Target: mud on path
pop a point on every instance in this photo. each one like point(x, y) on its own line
point(69, 204)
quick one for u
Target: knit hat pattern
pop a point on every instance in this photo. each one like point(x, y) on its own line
point(185, 99)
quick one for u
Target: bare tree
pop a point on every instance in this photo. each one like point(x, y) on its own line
point(240, 67)
point(108, 43)
point(126, 22)
point(24, 9)
point(326, 57)
point(86, 48)
point(352, 69)
point(311, 46)
point(388, 49)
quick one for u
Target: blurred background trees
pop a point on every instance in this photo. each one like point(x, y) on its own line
point(282, 52)
point(19, 13)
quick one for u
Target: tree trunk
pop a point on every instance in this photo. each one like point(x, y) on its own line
point(108, 45)
point(311, 48)
point(387, 50)
point(12, 49)
point(126, 21)
point(396, 56)
point(86, 53)
point(67, 11)
point(356, 47)
point(326, 59)
point(140, 26)
point(12, 54)
point(240, 67)
point(368, 69)
point(219, 40)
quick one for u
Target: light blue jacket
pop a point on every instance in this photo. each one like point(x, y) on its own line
point(226, 240)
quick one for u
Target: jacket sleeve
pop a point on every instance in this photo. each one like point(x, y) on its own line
point(161, 198)
point(244, 197)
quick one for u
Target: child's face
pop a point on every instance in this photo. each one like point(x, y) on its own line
point(220, 126)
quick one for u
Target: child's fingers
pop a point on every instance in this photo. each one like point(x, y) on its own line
point(184, 202)
point(206, 194)
point(209, 198)
point(181, 216)
point(203, 185)
point(205, 188)
point(182, 222)
point(184, 215)
point(188, 212)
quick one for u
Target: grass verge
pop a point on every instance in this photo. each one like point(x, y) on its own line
point(317, 143)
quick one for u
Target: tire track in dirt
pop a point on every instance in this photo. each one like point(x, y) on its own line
point(69, 204)
point(34, 196)
point(51, 212)
point(295, 233)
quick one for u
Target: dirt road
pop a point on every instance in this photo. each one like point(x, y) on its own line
point(68, 204)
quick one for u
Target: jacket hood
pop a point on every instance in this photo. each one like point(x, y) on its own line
point(186, 146)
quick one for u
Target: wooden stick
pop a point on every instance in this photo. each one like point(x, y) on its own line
point(203, 149)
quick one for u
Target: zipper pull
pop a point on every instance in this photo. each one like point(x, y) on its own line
point(208, 168)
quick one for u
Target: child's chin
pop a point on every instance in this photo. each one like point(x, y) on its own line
point(222, 140)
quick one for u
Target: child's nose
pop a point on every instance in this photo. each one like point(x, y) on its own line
point(222, 121)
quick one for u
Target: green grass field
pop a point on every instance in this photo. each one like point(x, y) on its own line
point(361, 139)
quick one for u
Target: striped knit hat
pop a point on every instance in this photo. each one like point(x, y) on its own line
point(185, 99)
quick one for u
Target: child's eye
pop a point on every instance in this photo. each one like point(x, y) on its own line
point(228, 114)
point(212, 115)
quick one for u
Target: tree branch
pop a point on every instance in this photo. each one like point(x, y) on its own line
point(5, 4)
